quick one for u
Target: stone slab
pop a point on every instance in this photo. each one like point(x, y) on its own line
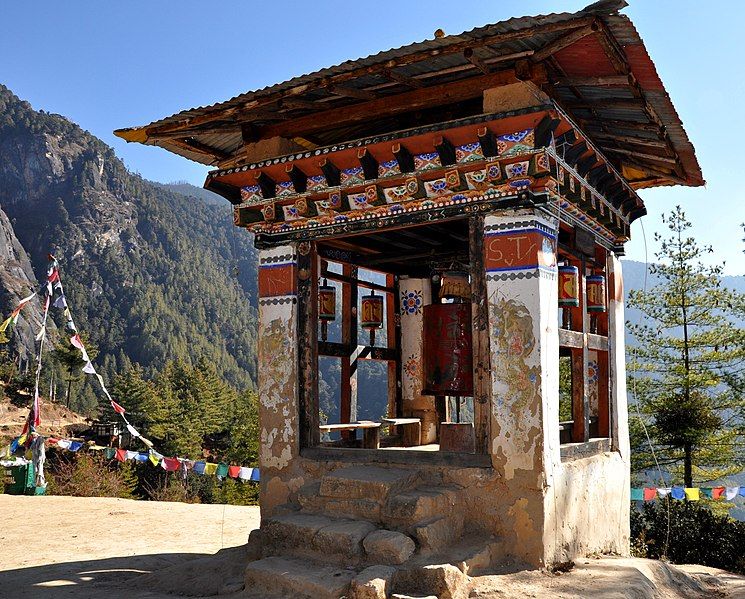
point(292, 530)
point(421, 504)
point(297, 578)
point(372, 583)
point(366, 482)
point(343, 537)
point(440, 533)
point(388, 547)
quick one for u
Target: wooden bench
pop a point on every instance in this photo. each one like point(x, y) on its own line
point(370, 431)
point(411, 430)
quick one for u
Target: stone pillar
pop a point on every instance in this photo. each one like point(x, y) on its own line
point(520, 264)
point(619, 411)
point(415, 294)
point(277, 373)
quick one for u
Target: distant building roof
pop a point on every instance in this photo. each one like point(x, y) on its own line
point(592, 63)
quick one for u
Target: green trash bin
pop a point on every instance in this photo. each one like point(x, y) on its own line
point(22, 480)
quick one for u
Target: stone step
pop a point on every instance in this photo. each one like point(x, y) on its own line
point(421, 504)
point(312, 534)
point(298, 578)
point(367, 482)
point(439, 533)
point(474, 554)
point(311, 501)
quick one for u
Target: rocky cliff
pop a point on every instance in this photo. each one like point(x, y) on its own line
point(151, 275)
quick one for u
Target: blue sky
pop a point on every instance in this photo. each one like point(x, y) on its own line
point(107, 65)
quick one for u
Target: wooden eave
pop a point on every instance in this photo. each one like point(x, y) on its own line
point(592, 63)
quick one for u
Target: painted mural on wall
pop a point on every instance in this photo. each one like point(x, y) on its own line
point(520, 260)
point(516, 377)
point(277, 357)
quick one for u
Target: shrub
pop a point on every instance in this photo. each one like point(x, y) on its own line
point(697, 535)
point(89, 475)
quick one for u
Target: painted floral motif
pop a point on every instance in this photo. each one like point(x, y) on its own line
point(359, 201)
point(411, 302)
point(493, 171)
point(477, 179)
point(291, 212)
point(285, 188)
point(541, 162)
point(411, 367)
point(516, 169)
point(512, 144)
point(394, 195)
point(592, 371)
point(436, 187)
point(352, 176)
point(316, 183)
point(469, 153)
point(428, 161)
point(251, 195)
point(388, 168)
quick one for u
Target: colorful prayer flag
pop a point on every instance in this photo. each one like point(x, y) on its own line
point(121, 455)
point(255, 474)
point(170, 464)
point(706, 493)
point(245, 473)
point(222, 470)
point(199, 467)
point(75, 445)
point(678, 493)
point(692, 494)
point(717, 492)
point(110, 453)
point(210, 468)
point(234, 471)
point(663, 491)
point(650, 493)
point(117, 408)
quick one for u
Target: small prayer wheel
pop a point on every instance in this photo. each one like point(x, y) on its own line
point(326, 302)
point(455, 285)
point(371, 315)
point(326, 307)
point(596, 293)
point(568, 286)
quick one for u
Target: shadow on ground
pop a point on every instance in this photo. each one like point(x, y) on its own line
point(131, 577)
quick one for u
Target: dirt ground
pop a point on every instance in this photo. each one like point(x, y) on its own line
point(101, 548)
point(60, 547)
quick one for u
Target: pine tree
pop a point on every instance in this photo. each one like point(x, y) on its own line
point(687, 368)
point(71, 361)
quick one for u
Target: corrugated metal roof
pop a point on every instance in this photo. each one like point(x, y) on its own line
point(442, 60)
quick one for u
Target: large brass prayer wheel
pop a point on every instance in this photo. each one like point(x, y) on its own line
point(447, 350)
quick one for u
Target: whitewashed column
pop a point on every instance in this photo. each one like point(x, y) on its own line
point(520, 264)
point(277, 372)
point(415, 294)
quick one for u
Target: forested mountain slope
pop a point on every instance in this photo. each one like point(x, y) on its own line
point(150, 274)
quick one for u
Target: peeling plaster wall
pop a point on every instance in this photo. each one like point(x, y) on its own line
point(278, 380)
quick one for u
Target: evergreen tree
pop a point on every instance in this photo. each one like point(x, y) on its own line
point(70, 360)
point(687, 369)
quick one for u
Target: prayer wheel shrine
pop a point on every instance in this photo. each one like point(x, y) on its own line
point(442, 223)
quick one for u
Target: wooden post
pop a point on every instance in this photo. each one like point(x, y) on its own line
point(482, 385)
point(348, 395)
point(393, 333)
point(580, 399)
point(307, 341)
